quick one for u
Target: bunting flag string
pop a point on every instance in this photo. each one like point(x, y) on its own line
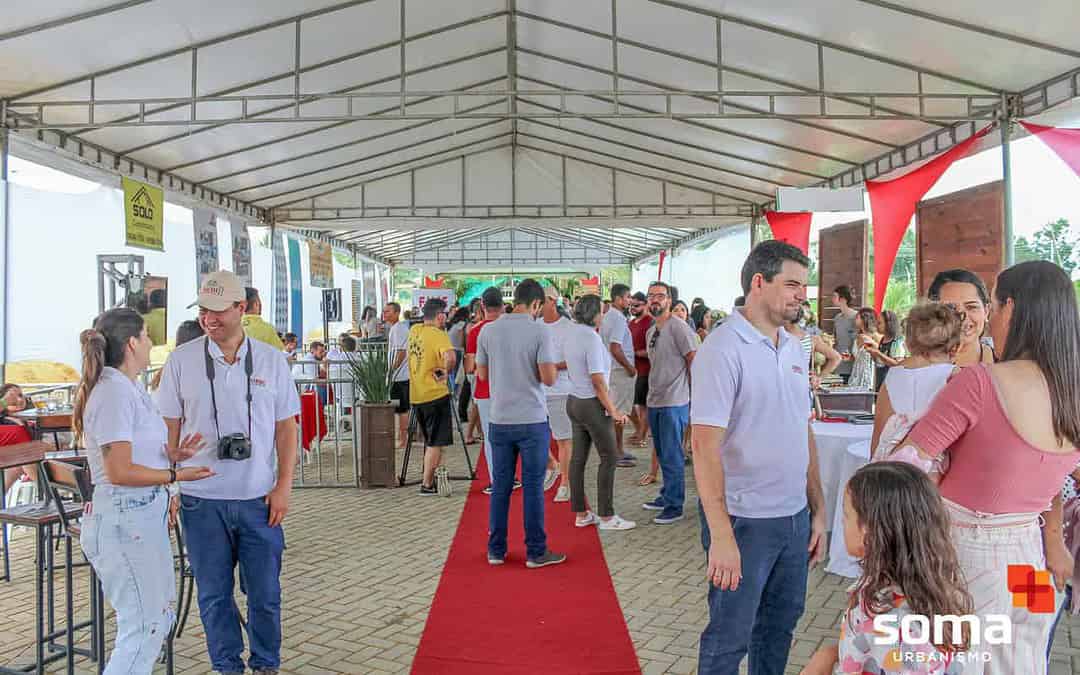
point(792, 227)
point(892, 205)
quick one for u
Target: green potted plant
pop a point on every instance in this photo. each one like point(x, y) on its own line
point(374, 413)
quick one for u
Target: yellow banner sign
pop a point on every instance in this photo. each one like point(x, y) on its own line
point(144, 210)
point(321, 263)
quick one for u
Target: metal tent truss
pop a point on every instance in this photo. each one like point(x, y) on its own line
point(521, 132)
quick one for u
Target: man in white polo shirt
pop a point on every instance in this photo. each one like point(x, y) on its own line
point(238, 394)
point(755, 464)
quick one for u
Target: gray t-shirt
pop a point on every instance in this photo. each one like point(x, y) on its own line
point(844, 330)
point(669, 379)
point(511, 348)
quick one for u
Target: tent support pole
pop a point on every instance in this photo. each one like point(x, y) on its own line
point(1006, 174)
point(5, 246)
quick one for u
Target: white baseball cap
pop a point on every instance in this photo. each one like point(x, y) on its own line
point(219, 291)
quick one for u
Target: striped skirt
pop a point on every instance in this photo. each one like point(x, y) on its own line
point(986, 545)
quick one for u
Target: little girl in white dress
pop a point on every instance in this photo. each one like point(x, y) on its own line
point(932, 333)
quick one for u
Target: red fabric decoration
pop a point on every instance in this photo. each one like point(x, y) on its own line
point(433, 283)
point(660, 269)
point(892, 204)
point(309, 410)
point(1064, 142)
point(793, 227)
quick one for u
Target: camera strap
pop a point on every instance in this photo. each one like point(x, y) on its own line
point(249, 368)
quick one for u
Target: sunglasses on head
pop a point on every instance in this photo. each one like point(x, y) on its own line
point(653, 339)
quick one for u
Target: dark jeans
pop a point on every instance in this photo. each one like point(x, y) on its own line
point(507, 442)
point(668, 426)
point(219, 534)
point(761, 614)
point(592, 426)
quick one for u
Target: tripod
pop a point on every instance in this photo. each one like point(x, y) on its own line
point(412, 432)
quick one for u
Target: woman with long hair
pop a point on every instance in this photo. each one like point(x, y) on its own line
point(890, 351)
point(124, 533)
point(1012, 430)
point(897, 526)
point(967, 293)
point(866, 338)
point(593, 416)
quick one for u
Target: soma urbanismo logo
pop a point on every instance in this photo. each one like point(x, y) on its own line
point(1031, 589)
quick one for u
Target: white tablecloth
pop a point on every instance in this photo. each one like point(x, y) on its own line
point(842, 449)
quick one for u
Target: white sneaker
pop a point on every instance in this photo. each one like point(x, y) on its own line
point(442, 482)
point(549, 479)
point(589, 519)
point(615, 523)
point(563, 493)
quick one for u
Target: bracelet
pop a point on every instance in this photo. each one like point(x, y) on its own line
point(172, 475)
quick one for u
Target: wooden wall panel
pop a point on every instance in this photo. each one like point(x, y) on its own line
point(843, 257)
point(961, 229)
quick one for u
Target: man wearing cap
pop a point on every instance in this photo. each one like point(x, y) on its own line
point(254, 325)
point(237, 392)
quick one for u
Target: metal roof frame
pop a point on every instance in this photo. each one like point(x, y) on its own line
point(635, 131)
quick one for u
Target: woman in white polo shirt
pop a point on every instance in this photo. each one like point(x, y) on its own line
point(593, 416)
point(124, 533)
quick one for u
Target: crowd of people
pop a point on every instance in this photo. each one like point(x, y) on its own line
point(974, 451)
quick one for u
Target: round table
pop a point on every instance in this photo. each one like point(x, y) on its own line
point(842, 449)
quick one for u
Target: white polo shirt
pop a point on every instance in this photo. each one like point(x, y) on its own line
point(185, 394)
point(398, 341)
point(757, 392)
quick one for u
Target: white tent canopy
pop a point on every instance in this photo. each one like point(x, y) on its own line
point(521, 132)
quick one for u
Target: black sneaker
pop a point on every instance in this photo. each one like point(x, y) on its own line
point(517, 485)
point(426, 491)
point(549, 558)
point(496, 559)
point(487, 490)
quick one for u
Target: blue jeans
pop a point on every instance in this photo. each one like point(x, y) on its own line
point(668, 426)
point(220, 533)
point(761, 614)
point(531, 442)
point(126, 539)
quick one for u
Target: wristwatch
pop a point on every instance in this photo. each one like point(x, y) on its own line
point(172, 475)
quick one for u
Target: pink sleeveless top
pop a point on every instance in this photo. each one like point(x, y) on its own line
point(993, 469)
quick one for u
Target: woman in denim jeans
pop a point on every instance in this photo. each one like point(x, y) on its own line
point(125, 534)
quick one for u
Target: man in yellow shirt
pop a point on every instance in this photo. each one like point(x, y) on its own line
point(253, 323)
point(431, 359)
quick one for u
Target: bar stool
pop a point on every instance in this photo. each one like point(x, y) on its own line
point(42, 517)
point(74, 480)
point(11, 456)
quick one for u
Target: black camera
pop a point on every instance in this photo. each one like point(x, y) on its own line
point(234, 446)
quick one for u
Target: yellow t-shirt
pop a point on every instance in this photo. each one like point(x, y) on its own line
point(427, 345)
point(257, 329)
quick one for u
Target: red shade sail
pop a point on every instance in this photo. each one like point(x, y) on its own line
point(892, 204)
point(1064, 142)
point(794, 228)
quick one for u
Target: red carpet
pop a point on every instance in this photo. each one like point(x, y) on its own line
point(510, 619)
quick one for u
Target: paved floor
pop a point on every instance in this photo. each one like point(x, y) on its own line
point(362, 567)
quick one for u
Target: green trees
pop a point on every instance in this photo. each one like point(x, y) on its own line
point(1054, 242)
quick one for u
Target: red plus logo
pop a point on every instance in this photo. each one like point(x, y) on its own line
point(1032, 589)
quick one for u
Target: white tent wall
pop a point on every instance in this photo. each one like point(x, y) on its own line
point(711, 273)
point(55, 240)
point(59, 224)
